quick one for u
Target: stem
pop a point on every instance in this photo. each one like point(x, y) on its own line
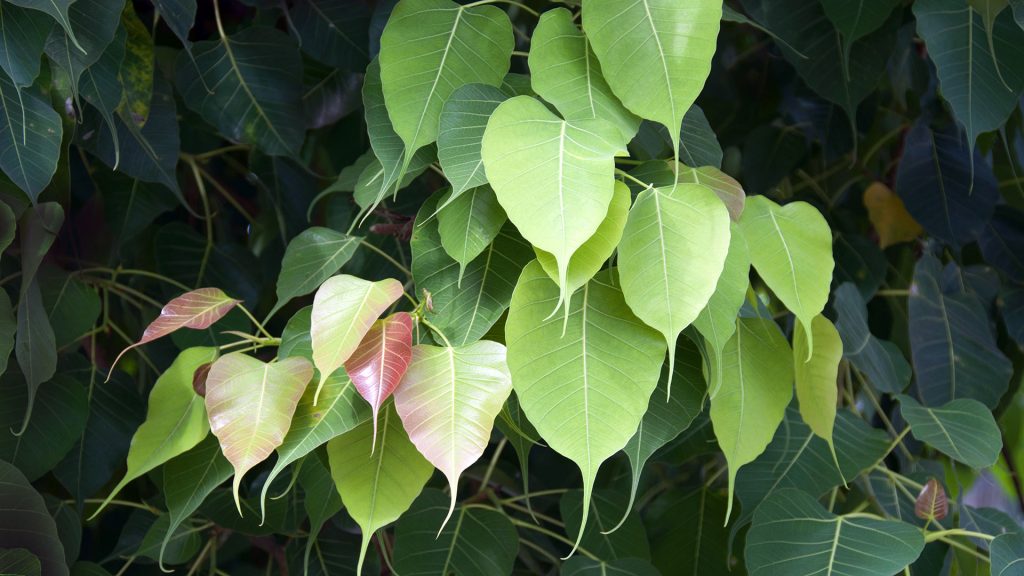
point(134, 272)
point(387, 257)
point(866, 387)
point(538, 515)
point(1011, 466)
point(436, 331)
point(932, 536)
point(256, 322)
point(521, 53)
point(145, 358)
point(494, 462)
point(524, 7)
point(633, 178)
point(968, 549)
point(127, 503)
point(550, 534)
point(536, 548)
point(206, 204)
point(227, 195)
point(218, 151)
point(199, 559)
point(897, 293)
point(538, 494)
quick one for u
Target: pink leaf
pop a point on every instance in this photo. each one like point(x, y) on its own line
point(197, 309)
point(380, 361)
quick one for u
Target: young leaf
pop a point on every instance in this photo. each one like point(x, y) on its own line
point(728, 189)
point(816, 376)
point(791, 249)
point(460, 135)
point(565, 72)
point(25, 523)
point(756, 387)
point(932, 503)
point(584, 385)
point(30, 136)
point(378, 488)
point(311, 258)
point(717, 321)
point(251, 405)
point(562, 195)
point(381, 360)
point(672, 253)
point(963, 429)
point(197, 309)
point(429, 49)
point(175, 421)
point(655, 54)
point(793, 534)
point(344, 309)
point(469, 223)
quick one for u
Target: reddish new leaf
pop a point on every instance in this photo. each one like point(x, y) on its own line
point(197, 309)
point(932, 503)
point(380, 361)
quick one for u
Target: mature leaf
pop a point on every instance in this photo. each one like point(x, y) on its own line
point(10, 226)
point(101, 87)
point(8, 329)
point(580, 566)
point(428, 50)
point(334, 32)
point(981, 86)
point(717, 321)
point(860, 261)
point(251, 405)
point(344, 309)
point(880, 360)
point(380, 361)
point(320, 499)
point(889, 216)
point(311, 258)
point(962, 429)
point(25, 523)
point(689, 529)
point(378, 488)
point(180, 16)
point(816, 375)
point(24, 34)
point(57, 9)
point(1008, 555)
point(659, 174)
point(62, 407)
point(562, 195)
point(198, 310)
point(592, 255)
point(585, 384)
point(249, 86)
point(175, 421)
point(94, 23)
point(856, 18)
point(187, 481)
point(39, 227)
point(565, 72)
point(136, 69)
point(698, 144)
point(461, 132)
point(656, 54)
point(387, 145)
point(30, 135)
point(448, 401)
point(793, 535)
point(35, 347)
point(954, 351)
point(469, 223)
point(478, 543)
point(949, 193)
point(1002, 242)
point(629, 539)
point(466, 311)
point(751, 400)
point(791, 249)
point(19, 562)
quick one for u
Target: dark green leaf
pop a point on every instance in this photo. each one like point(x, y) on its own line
point(1008, 555)
point(607, 507)
point(881, 361)
point(61, 408)
point(19, 562)
point(687, 536)
point(311, 258)
point(24, 34)
point(131, 205)
point(25, 523)
point(580, 566)
point(1002, 242)
point(962, 429)
point(35, 347)
point(57, 9)
point(30, 135)
point(101, 87)
point(180, 16)
point(94, 23)
point(320, 499)
point(187, 481)
point(335, 32)
point(8, 329)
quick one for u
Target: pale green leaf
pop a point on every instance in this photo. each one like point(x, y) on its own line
point(756, 387)
point(584, 385)
point(376, 488)
point(461, 133)
point(311, 258)
point(468, 223)
point(962, 429)
point(816, 375)
point(717, 321)
point(791, 249)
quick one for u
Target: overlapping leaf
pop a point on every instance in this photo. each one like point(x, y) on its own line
point(962, 429)
point(717, 321)
point(461, 132)
point(880, 360)
point(1008, 555)
point(25, 523)
point(64, 407)
point(24, 34)
point(93, 23)
point(30, 135)
point(381, 360)
point(816, 373)
point(333, 31)
point(311, 258)
point(469, 223)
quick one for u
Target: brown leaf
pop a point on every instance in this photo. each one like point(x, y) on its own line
point(199, 379)
point(889, 216)
point(932, 503)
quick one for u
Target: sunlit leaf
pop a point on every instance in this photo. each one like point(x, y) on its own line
point(25, 523)
point(380, 361)
point(816, 373)
point(963, 429)
point(461, 132)
point(469, 223)
point(311, 258)
point(717, 321)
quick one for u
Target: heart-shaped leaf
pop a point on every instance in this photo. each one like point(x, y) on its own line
point(963, 429)
point(448, 401)
point(932, 503)
point(816, 375)
point(671, 255)
point(333, 31)
point(344, 309)
point(580, 566)
point(584, 385)
point(461, 133)
point(555, 179)
point(312, 257)
point(469, 223)
point(43, 443)
point(717, 321)
point(387, 145)
point(381, 360)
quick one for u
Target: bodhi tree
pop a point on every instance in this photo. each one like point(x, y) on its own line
point(496, 287)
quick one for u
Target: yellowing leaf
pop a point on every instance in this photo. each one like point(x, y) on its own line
point(344, 309)
point(816, 374)
point(251, 405)
point(889, 216)
point(448, 401)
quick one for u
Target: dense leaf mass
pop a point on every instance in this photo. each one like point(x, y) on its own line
point(512, 287)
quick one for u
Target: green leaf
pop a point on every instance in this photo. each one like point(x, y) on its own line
point(466, 311)
point(756, 387)
point(580, 566)
point(461, 132)
point(39, 227)
point(24, 34)
point(187, 481)
point(378, 488)
point(626, 540)
point(954, 351)
point(94, 23)
point(344, 309)
point(30, 136)
point(10, 226)
point(429, 49)
point(981, 95)
point(249, 86)
point(320, 499)
point(469, 223)
point(8, 329)
point(57, 9)
point(1008, 555)
point(19, 561)
point(560, 199)
point(793, 535)
point(656, 54)
point(387, 145)
point(25, 523)
point(590, 257)
point(717, 321)
point(963, 429)
point(792, 253)
point(565, 72)
point(689, 529)
point(817, 375)
point(175, 421)
point(250, 405)
point(479, 542)
point(334, 32)
point(855, 19)
point(672, 253)
point(448, 401)
point(311, 258)
point(136, 68)
point(132, 205)
point(64, 407)
point(180, 16)
point(101, 86)
point(881, 361)
point(584, 385)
